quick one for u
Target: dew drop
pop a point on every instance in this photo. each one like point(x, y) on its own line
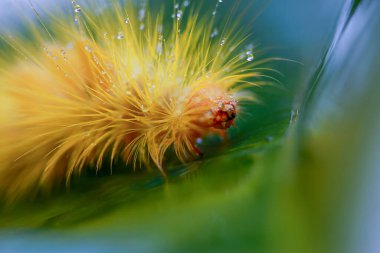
point(160, 29)
point(151, 88)
point(249, 47)
point(220, 1)
point(143, 109)
point(70, 46)
point(179, 15)
point(250, 56)
point(120, 35)
point(176, 6)
point(223, 41)
point(186, 3)
point(141, 14)
point(214, 33)
point(126, 20)
point(77, 8)
point(159, 48)
point(214, 13)
point(269, 138)
point(142, 26)
point(88, 49)
point(95, 60)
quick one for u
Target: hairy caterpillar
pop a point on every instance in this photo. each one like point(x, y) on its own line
point(119, 83)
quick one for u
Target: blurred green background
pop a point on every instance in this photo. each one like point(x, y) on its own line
point(299, 173)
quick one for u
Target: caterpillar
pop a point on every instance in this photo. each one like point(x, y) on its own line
point(87, 88)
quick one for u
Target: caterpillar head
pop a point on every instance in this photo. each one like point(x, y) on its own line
point(180, 120)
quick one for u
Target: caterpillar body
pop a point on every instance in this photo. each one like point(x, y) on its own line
point(116, 84)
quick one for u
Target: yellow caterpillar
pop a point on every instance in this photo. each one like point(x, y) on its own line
point(119, 83)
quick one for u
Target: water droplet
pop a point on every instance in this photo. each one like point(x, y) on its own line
point(176, 6)
point(105, 35)
point(214, 33)
point(87, 48)
point(126, 20)
point(142, 26)
point(70, 46)
point(199, 140)
point(159, 48)
point(223, 41)
point(63, 52)
point(250, 56)
point(143, 109)
point(120, 35)
point(186, 3)
point(77, 8)
point(95, 60)
point(214, 13)
point(220, 1)
point(141, 14)
point(160, 29)
point(179, 15)
point(269, 138)
point(151, 88)
point(249, 47)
